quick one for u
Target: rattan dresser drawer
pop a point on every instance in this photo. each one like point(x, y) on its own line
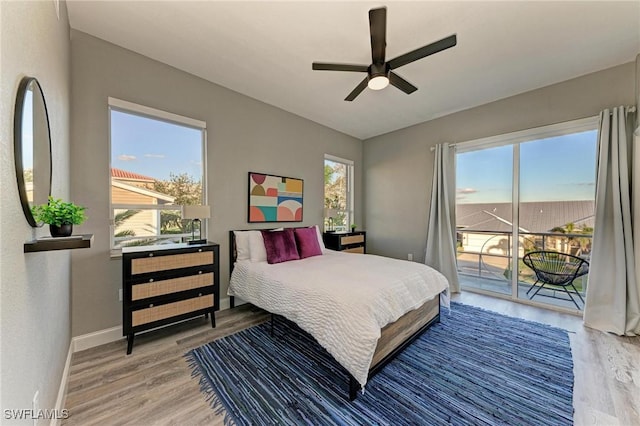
point(175, 261)
point(352, 239)
point(158, 288)
point(157, 313)
point(354, 250)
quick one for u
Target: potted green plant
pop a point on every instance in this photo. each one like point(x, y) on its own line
point(353, 227)
point(59, 215)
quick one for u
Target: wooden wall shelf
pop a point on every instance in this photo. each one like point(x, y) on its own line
point(59, 243)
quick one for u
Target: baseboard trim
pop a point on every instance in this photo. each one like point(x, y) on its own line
point(113, 334)
point(97, 338)
point(62, 390)
point(225, 304)
point(237, 302)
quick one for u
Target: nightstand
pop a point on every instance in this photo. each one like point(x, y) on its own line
point(352, 242)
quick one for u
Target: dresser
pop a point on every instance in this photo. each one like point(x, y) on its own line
point(353, 242)
point(164, 284)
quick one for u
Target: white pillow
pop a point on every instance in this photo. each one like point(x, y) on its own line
point(256, 246)
point(242, 245)
point(320, 241)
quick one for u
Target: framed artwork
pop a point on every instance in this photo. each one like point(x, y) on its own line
point(274, 198)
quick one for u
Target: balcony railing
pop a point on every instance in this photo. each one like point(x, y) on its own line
point(484, 258)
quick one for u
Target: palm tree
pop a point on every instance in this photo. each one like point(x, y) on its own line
point(580, 243)
point(121, 218)
point(585, 242)
point(560, 230)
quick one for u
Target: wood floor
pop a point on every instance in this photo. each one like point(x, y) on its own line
point(153, 385)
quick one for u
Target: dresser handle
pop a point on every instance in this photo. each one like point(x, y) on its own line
point(199, 294)
point(151, 305)
point(199, 272)
point(150, 254)
point(199, 250)
point(150, 280)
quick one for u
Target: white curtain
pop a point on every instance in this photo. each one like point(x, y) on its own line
point(613, 293)
point(441, 237)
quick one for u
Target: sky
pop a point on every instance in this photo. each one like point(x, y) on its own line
point(561, 168)
point(554, 169)
point(154, 148)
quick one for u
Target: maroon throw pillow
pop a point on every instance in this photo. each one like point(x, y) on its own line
point(280, 246)
point(307, 242)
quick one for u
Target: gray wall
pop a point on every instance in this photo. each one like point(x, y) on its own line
point(35, 321)
point(243, 135)
point(398, 166)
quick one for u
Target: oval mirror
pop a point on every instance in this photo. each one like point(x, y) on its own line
point(32, 147)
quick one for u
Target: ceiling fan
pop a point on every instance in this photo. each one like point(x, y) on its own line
point(379, 73)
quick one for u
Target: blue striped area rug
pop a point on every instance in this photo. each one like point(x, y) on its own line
point(473, 368)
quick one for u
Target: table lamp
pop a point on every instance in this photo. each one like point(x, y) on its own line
point(196, 214)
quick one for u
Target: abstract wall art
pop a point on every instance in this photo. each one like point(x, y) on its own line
point(274, 198)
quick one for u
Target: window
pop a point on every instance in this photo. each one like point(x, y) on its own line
point(156, 167)
point(338, 193)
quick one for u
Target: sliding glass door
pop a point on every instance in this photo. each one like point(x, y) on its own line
point(484, 208)
point(526, 192)
point(556, 212)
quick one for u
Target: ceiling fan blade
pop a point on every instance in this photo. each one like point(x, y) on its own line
point(422, 52)
point(359, 88)
point(401, 83)
point(319, 66)
point(378, 31)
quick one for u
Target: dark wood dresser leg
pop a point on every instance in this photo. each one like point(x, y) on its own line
point(213, 319)
point(232, 302)
point(129, 343)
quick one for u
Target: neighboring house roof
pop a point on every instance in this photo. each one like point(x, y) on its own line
point(123, 174)
point(168, 199)
point(539, 216)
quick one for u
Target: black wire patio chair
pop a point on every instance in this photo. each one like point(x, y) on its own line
point(557, 269)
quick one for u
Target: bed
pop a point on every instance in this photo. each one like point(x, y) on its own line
point(363, 309)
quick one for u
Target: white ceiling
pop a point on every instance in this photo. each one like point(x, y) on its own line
point(265, 49)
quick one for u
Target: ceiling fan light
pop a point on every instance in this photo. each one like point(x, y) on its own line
point(378, 82)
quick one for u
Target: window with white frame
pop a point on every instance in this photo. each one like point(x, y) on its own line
point(338, 193)
point(157, 166)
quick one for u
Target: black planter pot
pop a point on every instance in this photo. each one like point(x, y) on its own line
point(61, 231)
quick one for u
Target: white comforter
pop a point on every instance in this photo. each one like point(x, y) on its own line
point(341, 299)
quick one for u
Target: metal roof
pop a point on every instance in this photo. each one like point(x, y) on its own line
point(539, 216)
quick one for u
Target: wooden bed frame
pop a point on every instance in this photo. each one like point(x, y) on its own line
point(394, 336)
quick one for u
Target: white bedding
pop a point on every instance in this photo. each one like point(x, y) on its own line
point(342, 299)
